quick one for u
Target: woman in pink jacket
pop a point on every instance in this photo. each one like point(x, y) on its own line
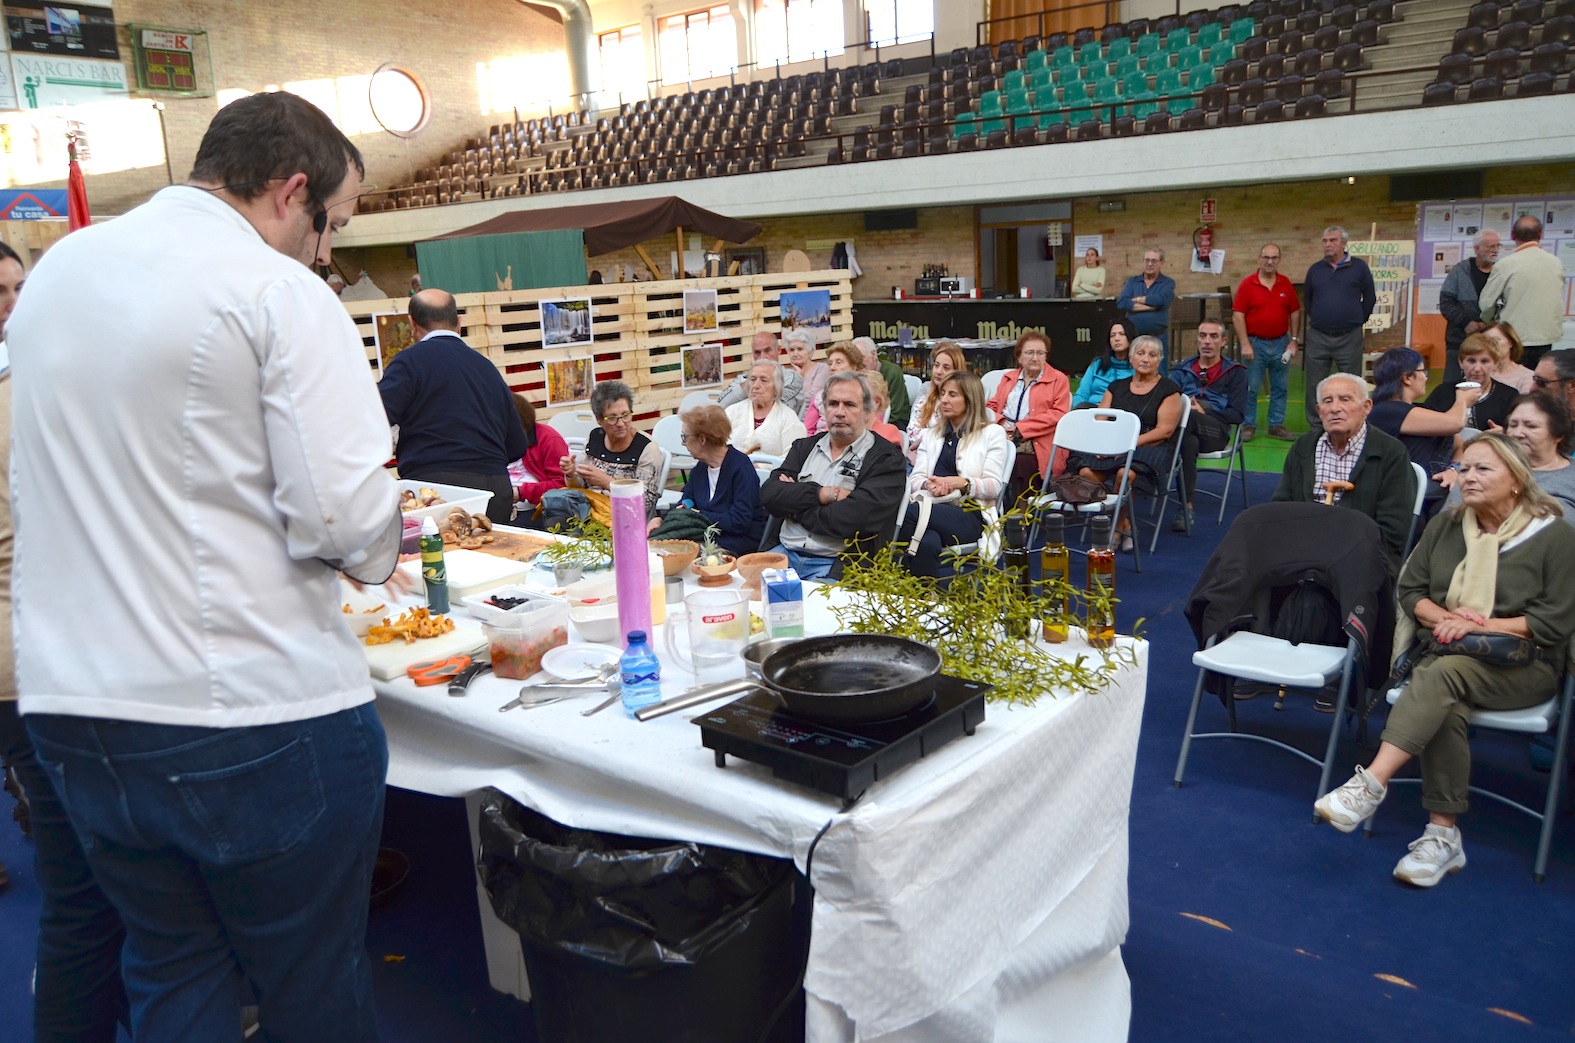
point(1028, 403)
point(540, 469)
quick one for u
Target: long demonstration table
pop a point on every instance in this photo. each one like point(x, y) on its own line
point(978, 895)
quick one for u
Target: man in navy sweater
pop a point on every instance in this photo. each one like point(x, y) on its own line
point(1338, 297)
point(1217, 390)
point(456, 416)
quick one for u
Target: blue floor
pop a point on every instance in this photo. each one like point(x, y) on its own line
point(1248, 922)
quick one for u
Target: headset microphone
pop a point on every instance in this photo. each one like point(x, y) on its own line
point(320, 222)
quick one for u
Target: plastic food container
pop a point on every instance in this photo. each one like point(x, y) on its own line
point(517, 641)
point(472, 500)
point(480, 605)
point(597, 621)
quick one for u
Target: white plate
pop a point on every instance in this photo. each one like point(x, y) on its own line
point(579, 660)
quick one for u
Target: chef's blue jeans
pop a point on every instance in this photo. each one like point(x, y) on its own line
point(77, 994)
point(234, 855)
point(1268, 354)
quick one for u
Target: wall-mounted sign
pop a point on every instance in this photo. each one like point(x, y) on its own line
point(165, 59)
point(74, 31)
point(1208, 211)
point(41, 81)
point(33, 204)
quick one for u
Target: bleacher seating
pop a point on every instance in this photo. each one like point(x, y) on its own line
point(1264, 61)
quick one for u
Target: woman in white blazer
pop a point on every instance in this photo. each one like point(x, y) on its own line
point(762, 424)
point(963, 460)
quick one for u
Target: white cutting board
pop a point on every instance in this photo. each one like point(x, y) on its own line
point(388, 662)
point(471, 572)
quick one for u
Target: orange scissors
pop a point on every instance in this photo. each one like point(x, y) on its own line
point(437, 671)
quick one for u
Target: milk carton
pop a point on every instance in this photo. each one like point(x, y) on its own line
point(784, 602)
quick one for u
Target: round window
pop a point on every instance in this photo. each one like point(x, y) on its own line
point(399, 101)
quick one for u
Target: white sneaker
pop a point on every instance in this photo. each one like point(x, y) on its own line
point(1351, 804)
point(1435, 854)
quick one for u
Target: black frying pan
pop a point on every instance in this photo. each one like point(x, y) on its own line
point(852, 678)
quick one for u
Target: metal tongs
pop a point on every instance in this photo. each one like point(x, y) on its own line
point(540, 694)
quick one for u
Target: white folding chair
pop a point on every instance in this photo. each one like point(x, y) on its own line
point(765, 463)
point(1236, 453)
point(669, 434)
point(1172, 478)
point(1416, 508)
point(991, 381)
point(915, 387)
point(669, 497)
point(700, 398)
point(1533, 720)
point(574, 425)
point(1097, 432)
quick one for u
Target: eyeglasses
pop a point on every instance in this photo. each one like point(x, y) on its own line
point(1423, 372)
point(617, 418)
point(1544, 383)
point(1269, 257)
point(683, 437)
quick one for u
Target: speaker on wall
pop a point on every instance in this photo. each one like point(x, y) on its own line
point(1440, 184)
point(890, 220)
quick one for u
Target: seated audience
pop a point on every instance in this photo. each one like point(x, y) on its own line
point(1114, 364)
point(1478, 363)
point(1431, 438)
point(963, 459)
point(1217, 388)
point(800, 348)
point(1480, 568)
point(1156, 402)
point(877, 422)
point(763, 423)
point(837, 493)
point(724, 489)
point(1028, 402)
point(1555, 372)
point(764, 348)
point(613, 450)
point(541, 468)
point(891, 374)
point(1540, 423)
point(1508, 368)
point(947, 358)
point(840, 358)
point(1349, 449)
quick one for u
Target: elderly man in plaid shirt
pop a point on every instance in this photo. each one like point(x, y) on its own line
point(1350, 450)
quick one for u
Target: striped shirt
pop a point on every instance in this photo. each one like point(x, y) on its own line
point(1332, 466)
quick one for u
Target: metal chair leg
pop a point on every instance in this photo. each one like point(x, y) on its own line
point(1186, 737)
point(1555, 780)
point(1334, 726)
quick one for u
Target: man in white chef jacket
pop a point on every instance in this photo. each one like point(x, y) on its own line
point(198, 448)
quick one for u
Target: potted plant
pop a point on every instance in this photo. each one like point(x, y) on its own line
point(713, 563)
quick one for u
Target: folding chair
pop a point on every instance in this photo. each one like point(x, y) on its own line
point(1533, 720)
point(574, 425)
point(765, 463)
point(1305, 532)
point(1172, 476)
point(668, 433)
point(1097, 432)
point(668, 499)
point(1236, 453)
point(1416, 509)
point(699, 398)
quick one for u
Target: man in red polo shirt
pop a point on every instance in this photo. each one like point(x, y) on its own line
point(1264, 314)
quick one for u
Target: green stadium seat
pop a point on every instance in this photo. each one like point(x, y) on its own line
point(1210, 33)
point(1167, 82)
point(1136, 87)
point(1241, 29)
point(1033, 61)
point(965, 124)
point(1015, 80)
point(1148, 44)
point(1063, 58)
point(1094, 71)
point(1106, 92)
point(1199, 77)
point(1041, 80)
point(1120, 47)
point(990, 104)
point(1090, 52)
point(1221, 53)
point(1019, 104)
point(1142, 110)
point(1074, 93)
point(1176, 39)
point(1121, 68)
point(1187, 57)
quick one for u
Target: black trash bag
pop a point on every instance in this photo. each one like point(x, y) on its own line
point(623, 901)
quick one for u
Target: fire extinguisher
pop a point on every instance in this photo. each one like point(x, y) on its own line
point(1203, 240)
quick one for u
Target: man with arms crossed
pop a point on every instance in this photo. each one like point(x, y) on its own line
point(183, 502)
point(1340, 297)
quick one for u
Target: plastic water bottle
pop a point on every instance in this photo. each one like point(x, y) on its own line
point(642, 674)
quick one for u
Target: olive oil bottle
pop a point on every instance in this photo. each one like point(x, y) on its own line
point(1101, 587)
point(1053, 568)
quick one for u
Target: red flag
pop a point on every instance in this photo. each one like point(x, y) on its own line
point(77, 215)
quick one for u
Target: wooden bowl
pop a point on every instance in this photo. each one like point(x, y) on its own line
point(750, 566)
point(714, 575)
point(676, 555)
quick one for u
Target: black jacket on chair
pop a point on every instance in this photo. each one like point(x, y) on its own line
point(1276, 545)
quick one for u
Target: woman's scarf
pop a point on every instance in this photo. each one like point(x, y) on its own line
point(1476, 577)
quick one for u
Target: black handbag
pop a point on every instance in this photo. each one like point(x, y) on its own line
point(1493, 649)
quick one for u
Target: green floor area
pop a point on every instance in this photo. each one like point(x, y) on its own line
point(1268, 454)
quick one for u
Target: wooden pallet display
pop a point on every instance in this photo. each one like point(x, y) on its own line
point(657, 359)
point(513, 323)
point(361, 313)
point(770, 288)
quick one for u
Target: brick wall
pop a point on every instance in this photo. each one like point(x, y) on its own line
point(257, 45)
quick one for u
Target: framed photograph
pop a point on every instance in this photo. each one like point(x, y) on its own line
point(807, 310)
point(750, 262)
point(702, 365)
point(570, 380)
point(566, 323)
point(392, 333)
point(699, 311)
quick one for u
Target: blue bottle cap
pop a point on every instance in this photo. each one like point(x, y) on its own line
point(636, 635)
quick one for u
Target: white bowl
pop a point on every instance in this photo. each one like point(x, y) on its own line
point(365, 609)
point(597, 623)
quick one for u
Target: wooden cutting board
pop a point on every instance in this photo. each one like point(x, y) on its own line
point(516, 546)
point(389, 661)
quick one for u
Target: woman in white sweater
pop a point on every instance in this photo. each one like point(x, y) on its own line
point(963, 463)
point(762, 424)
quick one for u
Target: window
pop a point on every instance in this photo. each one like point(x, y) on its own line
point(623, 63)
point(899, 21)
point(797, 30)
point(398, 101)
point(697, 45)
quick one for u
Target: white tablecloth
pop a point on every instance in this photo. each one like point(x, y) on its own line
point(978, 893)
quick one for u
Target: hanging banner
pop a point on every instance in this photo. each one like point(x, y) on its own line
point(73, 31)
point(33, 204)
point(65, 81)
point(1393, 262)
